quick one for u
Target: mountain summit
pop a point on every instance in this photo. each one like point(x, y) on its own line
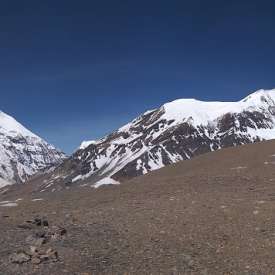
point(22, 153)
point(178, 130)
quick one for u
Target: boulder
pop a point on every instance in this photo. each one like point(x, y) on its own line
point(20, 257)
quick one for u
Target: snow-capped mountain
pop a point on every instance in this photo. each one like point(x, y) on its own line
point(23, 153)
point(178, 130)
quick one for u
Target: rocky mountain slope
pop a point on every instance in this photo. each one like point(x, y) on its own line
point(22, 153)
point(178, 130)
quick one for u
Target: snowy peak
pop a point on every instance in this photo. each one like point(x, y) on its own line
point(86, 144)
point(260, 97)
point(23, 153)
point(199, 112)
point(10, 126)
point(202, 112)
point(176, 131)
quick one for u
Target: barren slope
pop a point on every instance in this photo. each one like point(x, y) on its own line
point(213, 214)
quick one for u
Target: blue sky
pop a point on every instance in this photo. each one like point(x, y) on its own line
point(76, 70)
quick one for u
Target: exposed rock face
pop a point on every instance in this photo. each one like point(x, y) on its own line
point(22, 153)
point(177, 131)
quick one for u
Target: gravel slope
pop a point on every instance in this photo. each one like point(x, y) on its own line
point(213, 214)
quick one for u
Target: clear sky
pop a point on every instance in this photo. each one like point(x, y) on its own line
point(75, 70)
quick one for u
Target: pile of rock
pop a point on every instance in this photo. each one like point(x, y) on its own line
point(54, 233)
point(35, 256)
point(38, 242)
point(33, 224)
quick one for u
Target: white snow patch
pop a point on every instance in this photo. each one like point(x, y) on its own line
point(8, 203)
point(4, 202)
point(86, 144)
point(79, 177)
point(106, 181)
point(199, 112)
point(260, 202)
point(239, 168)
point(4, 183)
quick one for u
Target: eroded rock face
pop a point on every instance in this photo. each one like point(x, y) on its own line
point(179, 130)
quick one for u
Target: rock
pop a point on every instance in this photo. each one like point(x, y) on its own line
point(30, 239)
point(187, 259)
point(37, 254)
point(36, 240)
point(40, 234)
point(36, 261)
point(41, 222)
point(39, 242)
point(31, 224)
point(52, 254)
point(45, 223)
point(33, 250)
point(49, 255)
point(20, 257)
point(44, 258)
point(26, 225)
point(57, 232)
point(38, 221)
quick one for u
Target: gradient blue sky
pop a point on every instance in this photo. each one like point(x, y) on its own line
point(75, 70)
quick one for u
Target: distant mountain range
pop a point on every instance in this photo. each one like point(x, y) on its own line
point(22, 153)
point(176, 131)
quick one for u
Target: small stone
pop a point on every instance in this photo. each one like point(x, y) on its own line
point(52, 254)
point(37, 239)
point(39, 242)
point(62, 231)
point(57, 232)
point(26, 226)
point(20, 257)
point(30, 239)
point(41, 222)
point(38, 221)
point(45, 223)
point(40, 234)
point(36, 261)
point(44, 257)
point(33, 250)
point(49, 251)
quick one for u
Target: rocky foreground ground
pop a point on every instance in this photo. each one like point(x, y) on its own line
point(210, 215)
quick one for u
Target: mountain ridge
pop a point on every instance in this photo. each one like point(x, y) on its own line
point(176, 131)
